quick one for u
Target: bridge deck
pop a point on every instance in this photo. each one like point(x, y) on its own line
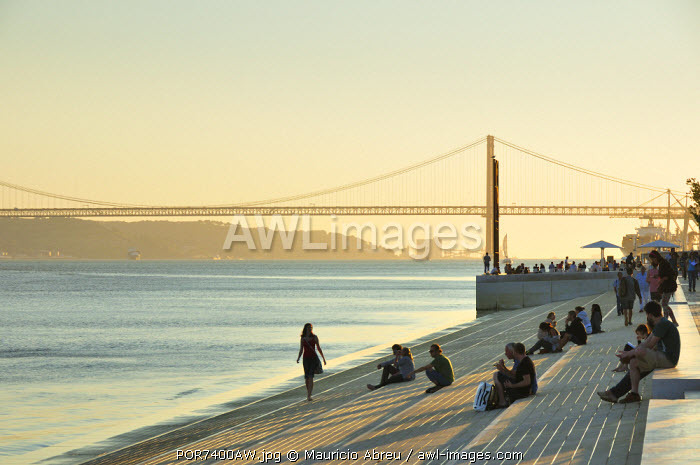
point(564, 423)
point(475, 210)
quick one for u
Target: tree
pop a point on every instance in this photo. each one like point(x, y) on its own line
point(695, 197)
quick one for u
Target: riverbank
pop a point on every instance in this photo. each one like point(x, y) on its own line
point(92, 350)
point(401, 418)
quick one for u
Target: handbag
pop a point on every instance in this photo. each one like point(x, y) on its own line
point(319, 368)
point(485, 397)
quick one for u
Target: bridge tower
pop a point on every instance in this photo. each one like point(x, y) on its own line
point(668, 217)
point(491, 201)
point(686, 221)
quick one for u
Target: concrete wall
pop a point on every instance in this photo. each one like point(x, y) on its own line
point(507, 292)
point(684, 379)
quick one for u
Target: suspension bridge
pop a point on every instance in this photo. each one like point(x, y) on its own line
point(453, 183)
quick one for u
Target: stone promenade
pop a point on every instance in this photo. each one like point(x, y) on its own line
point(565, 423)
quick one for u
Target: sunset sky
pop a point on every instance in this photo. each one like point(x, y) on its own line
point(215, 102)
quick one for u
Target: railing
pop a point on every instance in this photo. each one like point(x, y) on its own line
point(620, 212)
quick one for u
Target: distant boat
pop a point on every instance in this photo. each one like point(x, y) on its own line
point(134, 254)
point(651, 232)
point(506, 260)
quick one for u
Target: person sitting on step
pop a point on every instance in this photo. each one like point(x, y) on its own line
point(503, 373)
point(581, 313)
point(643, 359)
point(574, 331)
point(549, 342)
point(596, 319)
point(439, 370)
point(523, 384)
point(405, 364)
point(552, 320)
point(391, 366)
point(641, 333)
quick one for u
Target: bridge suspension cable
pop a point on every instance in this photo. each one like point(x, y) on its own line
point(364, 182)
point(530, 182)
point(29, 190)
point(585, 170)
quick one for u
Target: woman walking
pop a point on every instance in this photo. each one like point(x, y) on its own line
point(667, 283)
point(312, 364)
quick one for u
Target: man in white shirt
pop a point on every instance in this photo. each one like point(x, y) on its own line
point(573, 267)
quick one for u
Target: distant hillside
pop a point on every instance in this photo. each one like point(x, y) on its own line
point(86, 239)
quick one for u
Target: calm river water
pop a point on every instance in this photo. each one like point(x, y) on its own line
point(89, 349)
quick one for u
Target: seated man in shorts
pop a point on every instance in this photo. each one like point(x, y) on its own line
point(439, 370)
point(644, 359)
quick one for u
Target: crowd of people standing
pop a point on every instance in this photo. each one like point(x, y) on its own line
point(657, 284)
point(564, 266)
point(687, 264)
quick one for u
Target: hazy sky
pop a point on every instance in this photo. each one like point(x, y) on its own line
point(219, 102)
